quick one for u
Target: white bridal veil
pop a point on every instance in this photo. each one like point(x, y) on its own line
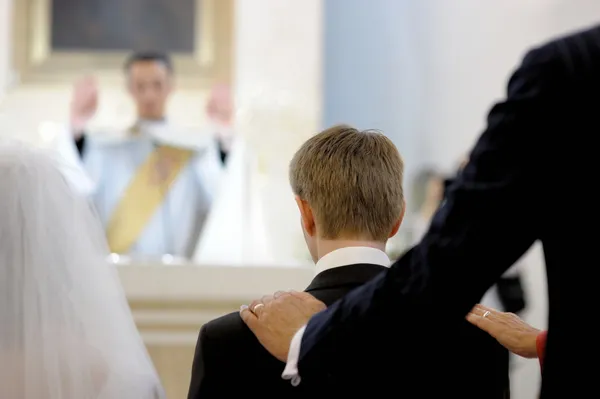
point(66, 331)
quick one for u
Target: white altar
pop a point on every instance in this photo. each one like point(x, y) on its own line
point(171, 302)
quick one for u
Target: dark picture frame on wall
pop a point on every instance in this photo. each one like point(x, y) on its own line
point(122, 25)
point(58, 40)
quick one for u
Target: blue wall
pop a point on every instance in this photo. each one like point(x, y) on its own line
point(372, 65)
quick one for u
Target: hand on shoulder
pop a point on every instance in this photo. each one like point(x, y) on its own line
point(275, 319)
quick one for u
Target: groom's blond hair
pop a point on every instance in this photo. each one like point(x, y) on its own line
point(352, 181)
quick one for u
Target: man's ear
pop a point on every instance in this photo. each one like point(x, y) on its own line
point(398, 222)
point(306, 213)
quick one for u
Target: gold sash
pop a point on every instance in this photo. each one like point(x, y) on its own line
point(144, 196)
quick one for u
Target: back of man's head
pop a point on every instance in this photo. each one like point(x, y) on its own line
point(352, 181)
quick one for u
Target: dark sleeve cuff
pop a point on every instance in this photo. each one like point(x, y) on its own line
point(540, 345)
point(80, 144)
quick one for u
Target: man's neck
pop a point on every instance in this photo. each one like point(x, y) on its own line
point(326, 246)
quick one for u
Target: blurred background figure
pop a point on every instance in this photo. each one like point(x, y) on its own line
point(428, 193)
point(151, 186)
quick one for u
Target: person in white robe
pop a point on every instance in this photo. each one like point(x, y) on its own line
point(153, 184)
point(235, 229)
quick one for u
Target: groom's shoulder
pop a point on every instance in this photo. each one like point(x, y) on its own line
point(228, 335)
point(229, 327)
point(223, 350)
point(228, 356)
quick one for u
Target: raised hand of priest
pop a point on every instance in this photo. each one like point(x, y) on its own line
point(84, 103)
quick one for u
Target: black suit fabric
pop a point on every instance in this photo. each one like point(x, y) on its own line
point(229, 360)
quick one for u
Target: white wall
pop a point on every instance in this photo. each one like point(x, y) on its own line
point(472, 48)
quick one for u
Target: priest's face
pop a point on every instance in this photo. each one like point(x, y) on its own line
point(150, 84)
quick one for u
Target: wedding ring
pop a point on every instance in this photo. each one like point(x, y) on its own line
point(257, 306)
point(486, 314)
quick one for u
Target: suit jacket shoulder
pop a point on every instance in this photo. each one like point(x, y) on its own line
point(228, 355)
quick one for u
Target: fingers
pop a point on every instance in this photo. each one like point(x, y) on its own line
point(481, 309)
point(485, 312)
point(249, 318)
point(477, 320)
point(306, 297)
point(258, 305)
point(483, 323)
point(266, 299)
point(300, 300)
point(472, 318)
point(302, 295)
point(280, 294)
point(487, 319)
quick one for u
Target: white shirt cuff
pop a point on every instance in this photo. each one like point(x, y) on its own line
point(291, 368)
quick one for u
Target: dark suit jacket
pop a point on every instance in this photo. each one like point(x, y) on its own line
point(523, 183)
point(229, 360)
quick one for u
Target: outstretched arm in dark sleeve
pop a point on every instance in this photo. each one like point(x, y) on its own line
point(492, 214)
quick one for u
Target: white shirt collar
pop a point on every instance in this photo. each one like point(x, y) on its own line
point(352, 256)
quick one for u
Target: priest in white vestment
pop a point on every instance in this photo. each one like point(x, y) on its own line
point(152, 185)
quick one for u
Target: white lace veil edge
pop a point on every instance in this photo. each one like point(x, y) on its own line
point(66, 330)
